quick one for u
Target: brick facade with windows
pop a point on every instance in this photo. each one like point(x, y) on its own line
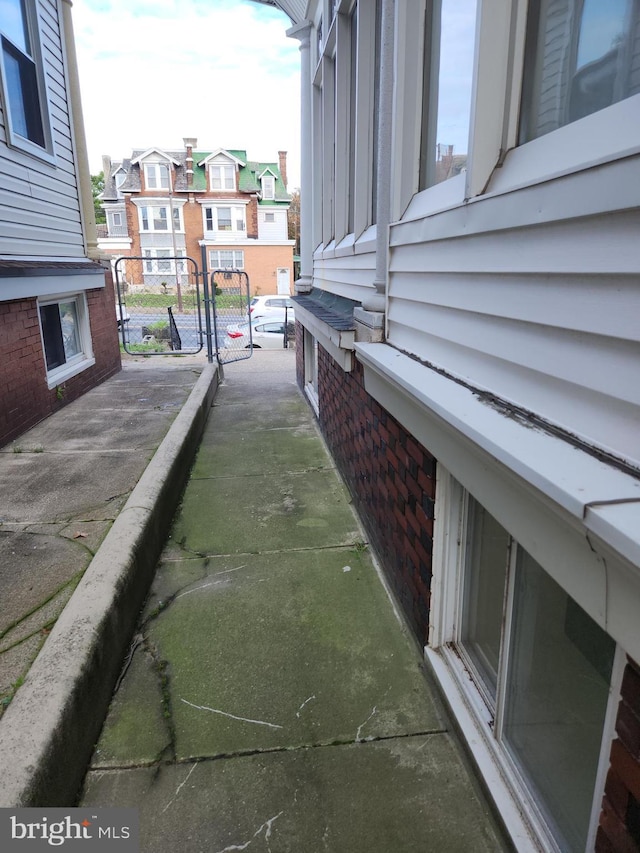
point(25, 399)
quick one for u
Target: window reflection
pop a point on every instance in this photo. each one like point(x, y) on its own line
point(448, 86)
point(581, 56)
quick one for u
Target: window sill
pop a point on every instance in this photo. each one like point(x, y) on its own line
point(67, 371)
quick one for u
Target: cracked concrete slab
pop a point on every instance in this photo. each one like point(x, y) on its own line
point(256, 512)
point(411, 795)
point(33, 567)
point(62, 484)
point(283, 650)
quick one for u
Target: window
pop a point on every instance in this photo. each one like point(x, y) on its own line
point(268, 187)
point(156, 176)
point(220, 259)
point(160, 261)
point(222, 176)
point(65, 336)
point(23, 87)
point(156, 218)
point(447, 89)
point(269, 217)
point(579, 58)
point(542, 669)
point(116, 219)
point(224, 218)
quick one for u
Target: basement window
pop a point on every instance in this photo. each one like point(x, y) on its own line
point(66, 337)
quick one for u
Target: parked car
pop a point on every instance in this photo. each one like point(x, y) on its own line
point(265, 306)
point(122, 315)
point(266, 333)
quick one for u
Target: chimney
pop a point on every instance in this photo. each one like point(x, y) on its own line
point(106, 166)
point(189, 143)
point(282, 157)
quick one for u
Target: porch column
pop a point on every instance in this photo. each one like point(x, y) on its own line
point(304, 283)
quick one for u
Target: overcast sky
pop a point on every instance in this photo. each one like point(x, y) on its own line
point(155, 71)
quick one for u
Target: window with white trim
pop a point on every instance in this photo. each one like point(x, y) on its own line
point(268, 187)
point(448, 86)
point(66, 337)
point(157, 176)
point(156, 218)
point(222, 176)
point(580, 57)
point(23, 85)
point(226, 259)
point(270, 217)
point(160, 261)
point(224, 218)
point(537, 670)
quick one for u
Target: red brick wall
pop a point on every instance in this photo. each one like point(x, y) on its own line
point(619, 830)
point(391, 478)
point(24, 397)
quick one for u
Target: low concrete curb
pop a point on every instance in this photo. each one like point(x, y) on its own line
point(48, 732)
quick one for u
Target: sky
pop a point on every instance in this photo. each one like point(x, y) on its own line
point(155, 71)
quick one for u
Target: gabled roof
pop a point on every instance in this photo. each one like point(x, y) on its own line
point(149, 151)
point(249, 173)
point(225, 153)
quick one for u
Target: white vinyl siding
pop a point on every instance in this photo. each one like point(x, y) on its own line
point(272, 224)
point(39, 206)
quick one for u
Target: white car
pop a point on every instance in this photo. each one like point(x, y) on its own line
point(122, 315)
point(266, 333)
point(266, 306)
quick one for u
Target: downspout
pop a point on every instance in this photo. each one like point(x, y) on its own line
point(370, 319)
point(85, 193)
point(304, 283)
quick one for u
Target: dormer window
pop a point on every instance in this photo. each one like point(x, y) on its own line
point(119, 178)
point(222, 176)
point(156, 176)
point(268, 187)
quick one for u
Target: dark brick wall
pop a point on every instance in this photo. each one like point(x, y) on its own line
point(391, 478)
point(24, 397)
point(619, 830)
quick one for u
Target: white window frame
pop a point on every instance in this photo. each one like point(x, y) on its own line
point(221, 168)
point(310, 348)
point(166, 254)
point(237, 259)
point(83, 359)
point(235, 208)
point(268, 187)
point(14, 139)
point(610, 134)
point(153, 175)
point(116, 219)
point(178, 225)
point(522, 817)
point(269, 216)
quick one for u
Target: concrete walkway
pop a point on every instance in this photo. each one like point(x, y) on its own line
point(271, 700)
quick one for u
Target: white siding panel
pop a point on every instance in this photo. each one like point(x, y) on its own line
point(350, 276)
point(545, 317)
point(39, 205)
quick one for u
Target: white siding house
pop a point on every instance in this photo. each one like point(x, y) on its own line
point(470, 199)
point(56, 340)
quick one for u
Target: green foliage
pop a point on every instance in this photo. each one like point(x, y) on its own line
point(97, 187)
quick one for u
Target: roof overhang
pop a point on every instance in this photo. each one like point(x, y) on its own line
point(295, 9)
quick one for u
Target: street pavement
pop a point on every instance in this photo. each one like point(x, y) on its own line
point(271, 699)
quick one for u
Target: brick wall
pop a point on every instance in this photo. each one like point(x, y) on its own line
point(25, 398)
point(619, 830)
point(391, 478)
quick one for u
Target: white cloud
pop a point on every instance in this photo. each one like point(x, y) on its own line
point(155, 71)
